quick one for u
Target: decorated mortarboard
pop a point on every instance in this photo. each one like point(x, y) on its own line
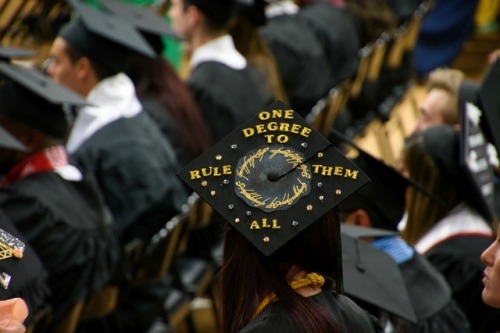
point(29, 96)
point(479, 159)
point(103, 37)
point(489, 103)
point(273, 177)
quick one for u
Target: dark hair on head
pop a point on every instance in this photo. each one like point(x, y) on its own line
point(248, 275)
point(218, 13)
point(102, 71)
point(423, 210)
point(158, 77)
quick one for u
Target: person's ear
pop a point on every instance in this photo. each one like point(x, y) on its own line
point(83, 66)
point(360, 218)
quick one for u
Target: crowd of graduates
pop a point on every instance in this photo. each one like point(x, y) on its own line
point(93, 146)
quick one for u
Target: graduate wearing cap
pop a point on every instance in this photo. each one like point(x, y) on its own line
point(454, 226)
point(281, 268)
point(250, 16)
point(57, 210)
point(380, 205)
point(225, 88)
point(112, 138)
point(162, 93)
point(341, 41)
point(301, 58)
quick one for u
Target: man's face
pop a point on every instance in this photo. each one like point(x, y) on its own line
point(437, 102)
point(61, 69)
point(179, 17)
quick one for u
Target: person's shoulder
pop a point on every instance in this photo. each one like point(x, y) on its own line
point(348, 314)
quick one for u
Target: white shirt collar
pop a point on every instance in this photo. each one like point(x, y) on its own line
point(221, 50)
point(281, 8)
point(111, 99)
point(461, 220)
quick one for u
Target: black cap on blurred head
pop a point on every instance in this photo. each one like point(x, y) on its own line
point(147, 21)
point(219, 11)
point(384, 197)
point(104, 38)
point(253, 10)
point(273, 177)
point(28, 96)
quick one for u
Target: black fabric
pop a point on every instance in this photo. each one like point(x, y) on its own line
point(341, 41)
point(458, 259)
point(346, 313)
point(156, 110)
point(67, 225)
point(227, 97)
point(301, 60)
point(135, 167)
point(28, 276)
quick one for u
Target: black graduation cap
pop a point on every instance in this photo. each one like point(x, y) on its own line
point(31, 97)
point(489, 103)
point(384, 196)
point(357, 231)
point(372, 276)
point(253, 10)
point(8, 52)
point(273, 177)
point(220, 11)
point(103, 37)
point(477, 158)
point(145, 19)
point(7, 141)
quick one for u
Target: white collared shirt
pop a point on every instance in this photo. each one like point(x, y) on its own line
point(112, 98)
point(461, 220)
point(221, 50)
point(281, 8)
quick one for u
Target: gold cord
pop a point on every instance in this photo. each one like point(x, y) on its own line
point(311, 279)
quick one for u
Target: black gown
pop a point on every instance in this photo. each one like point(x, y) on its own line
point(458, 259)
point(275, 318)
point(28, 277)
point(301, 60)
point(135, 167)
point(341, 41)
point(66, 224)
point(430, 294)
point(227, 97)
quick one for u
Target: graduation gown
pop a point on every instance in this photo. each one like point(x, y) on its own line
point(66, 224)
point(135, 167)
point(227, 97)
point(156, 110)
point(28, 277)
point(302, 63)
point(275, 318)
point(341, 41)
point(430, 294)
point(458, 259)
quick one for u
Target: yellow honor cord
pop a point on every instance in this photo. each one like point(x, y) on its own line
point(311, 279)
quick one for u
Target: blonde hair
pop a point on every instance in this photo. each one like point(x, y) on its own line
point(449, 80)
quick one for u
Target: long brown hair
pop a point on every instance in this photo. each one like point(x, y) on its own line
point(157, 76)
point(247, 277)
point(252, 46)
point(423, 210)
